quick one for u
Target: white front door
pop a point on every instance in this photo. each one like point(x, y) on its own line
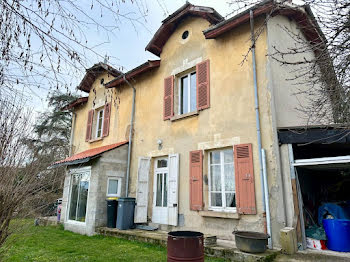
point(160, 191)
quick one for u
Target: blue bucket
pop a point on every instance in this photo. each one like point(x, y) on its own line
point(338, 234)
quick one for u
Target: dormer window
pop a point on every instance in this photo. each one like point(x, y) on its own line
point(99, 122)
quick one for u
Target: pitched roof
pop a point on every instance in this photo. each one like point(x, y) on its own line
point(75, 103)
point(170, 23)
point(93, 72)
point(301, 14)
point(87, 155)
point(137, 71)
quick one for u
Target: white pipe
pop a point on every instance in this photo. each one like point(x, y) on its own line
point(266, 194)
point(72, 134)
point(130, 135)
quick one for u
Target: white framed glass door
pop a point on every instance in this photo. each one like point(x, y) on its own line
point(160, 192)
point(78, 199)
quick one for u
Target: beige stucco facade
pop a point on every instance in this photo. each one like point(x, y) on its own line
point(230, 119)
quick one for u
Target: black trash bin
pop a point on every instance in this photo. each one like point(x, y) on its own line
point(125, 217)
point(112, 210)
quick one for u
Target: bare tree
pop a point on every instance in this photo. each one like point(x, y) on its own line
point(23, 183)
point(327, 73)
point(43, 43)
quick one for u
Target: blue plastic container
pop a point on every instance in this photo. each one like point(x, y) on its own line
point(338, 234)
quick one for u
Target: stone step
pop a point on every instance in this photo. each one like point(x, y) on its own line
point(160, 238)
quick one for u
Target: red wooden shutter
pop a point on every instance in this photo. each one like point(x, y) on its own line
point(106, 117)
point(196, 180)
point(168, 107)
point(89, 125)
point(244, 173)
point(203, 85)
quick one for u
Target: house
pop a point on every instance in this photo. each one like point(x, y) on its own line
point(183, 134)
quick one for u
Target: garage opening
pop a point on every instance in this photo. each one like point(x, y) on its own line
point(320, 182)
point(324, 185)
point(325, 195)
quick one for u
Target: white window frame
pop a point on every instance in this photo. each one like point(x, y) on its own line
point(189, 92)
point(97, 122)
point(71, 173)
point(118, 189)
point(223, 192)
point(161, 170)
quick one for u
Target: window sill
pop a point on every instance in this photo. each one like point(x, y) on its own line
point(74, 222)
point(228, 215)
point(178, 117)
point(95, 140)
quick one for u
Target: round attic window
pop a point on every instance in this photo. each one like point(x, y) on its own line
point(185, 34)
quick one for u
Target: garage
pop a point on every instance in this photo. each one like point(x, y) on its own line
point(319, 162)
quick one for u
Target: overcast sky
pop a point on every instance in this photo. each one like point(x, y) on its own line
point(126, 47)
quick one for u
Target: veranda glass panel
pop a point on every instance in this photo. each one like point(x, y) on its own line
point(74, 197)
point(83, 194)
point(78, 197)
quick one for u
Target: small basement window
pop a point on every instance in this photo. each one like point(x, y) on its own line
point(113, 187)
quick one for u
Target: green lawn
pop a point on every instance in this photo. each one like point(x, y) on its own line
point(54, 244)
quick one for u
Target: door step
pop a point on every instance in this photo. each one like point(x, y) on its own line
point(147, 228)
point(161, 226)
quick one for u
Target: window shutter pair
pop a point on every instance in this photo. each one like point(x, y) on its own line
point(244, 179)
point(106, 118)
point(203, 90)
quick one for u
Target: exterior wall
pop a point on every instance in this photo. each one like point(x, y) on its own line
point(230, 119)
point(96, 100)
point(291, 97)
point(110, 164)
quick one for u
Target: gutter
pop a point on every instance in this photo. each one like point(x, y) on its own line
point(262, 157)
point(130, 135)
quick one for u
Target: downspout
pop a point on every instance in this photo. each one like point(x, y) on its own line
point(266, 188)
point(256, 99)
point(72, 134)
point(262, 157)
point(130, 136)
